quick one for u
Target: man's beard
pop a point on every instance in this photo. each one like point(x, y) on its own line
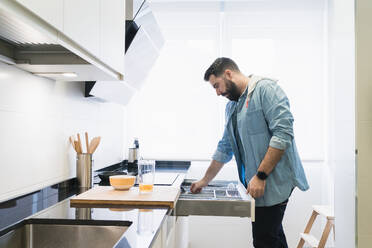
point(232, 91)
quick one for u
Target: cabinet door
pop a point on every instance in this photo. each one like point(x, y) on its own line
point(157, 243)
point(82, 23)
point(113, 33)
point(50, 11)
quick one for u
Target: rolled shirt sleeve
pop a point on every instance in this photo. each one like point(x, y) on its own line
point(277, 113)
point(223, 153)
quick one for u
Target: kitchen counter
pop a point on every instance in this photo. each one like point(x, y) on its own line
point(141, 233)
point(148, 226)
point(146, 223)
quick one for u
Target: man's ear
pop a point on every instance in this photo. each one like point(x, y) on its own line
point(228, 74)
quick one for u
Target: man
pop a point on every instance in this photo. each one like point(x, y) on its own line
point(259, 133)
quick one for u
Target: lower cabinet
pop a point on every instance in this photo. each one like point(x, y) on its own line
point(165, 237)
point(182, 232)
point(173, 233)
point(158, 240)
point(168, 233)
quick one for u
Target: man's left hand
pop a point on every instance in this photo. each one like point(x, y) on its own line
point(256, 187)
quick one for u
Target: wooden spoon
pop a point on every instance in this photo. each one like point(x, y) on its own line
point(72, 142)
point(87, 141)
point(94, 144)
point(79, 141)
point(77, 148)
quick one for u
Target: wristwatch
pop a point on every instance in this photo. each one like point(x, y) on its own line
point(261, 175)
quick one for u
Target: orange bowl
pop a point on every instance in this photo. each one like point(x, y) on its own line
point(122, 182)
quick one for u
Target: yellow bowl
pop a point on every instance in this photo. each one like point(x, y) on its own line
point(122, 182)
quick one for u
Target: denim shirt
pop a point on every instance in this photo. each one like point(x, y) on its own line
point(265, 120)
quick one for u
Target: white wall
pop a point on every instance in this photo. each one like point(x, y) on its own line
point(37, 117)
point(341, 127)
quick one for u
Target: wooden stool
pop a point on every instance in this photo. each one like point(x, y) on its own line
point(327, 212)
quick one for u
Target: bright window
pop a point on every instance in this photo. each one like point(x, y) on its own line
point(177, 115)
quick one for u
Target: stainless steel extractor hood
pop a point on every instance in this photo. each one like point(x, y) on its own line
point(143, 41)
point(31, 44)
point(143, 49)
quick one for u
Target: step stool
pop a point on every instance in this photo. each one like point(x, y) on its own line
point(327, 212)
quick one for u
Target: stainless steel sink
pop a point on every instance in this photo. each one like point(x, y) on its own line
point(64, 233)
point(219, 198)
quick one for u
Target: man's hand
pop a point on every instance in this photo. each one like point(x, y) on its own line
point(211, 172)
point(196, 187)
point(256, 187)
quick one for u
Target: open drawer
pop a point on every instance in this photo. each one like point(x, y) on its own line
point(219, 198)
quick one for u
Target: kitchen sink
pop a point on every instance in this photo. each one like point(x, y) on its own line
point(42, 233)
point(219, 198)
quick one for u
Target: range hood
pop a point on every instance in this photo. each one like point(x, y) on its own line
point(143, 41)
point(32, 44)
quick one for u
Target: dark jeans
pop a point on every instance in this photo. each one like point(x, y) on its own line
point(267, 229)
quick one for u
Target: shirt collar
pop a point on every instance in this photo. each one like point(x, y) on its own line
point(244, 93)
point(252, 83)
point(253, 79)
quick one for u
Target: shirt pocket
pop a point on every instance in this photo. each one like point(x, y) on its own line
point(256, 122)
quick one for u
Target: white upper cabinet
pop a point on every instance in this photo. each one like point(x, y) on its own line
point(50, 11)
point(92, 29)
point(113, 33)
point(82, 23)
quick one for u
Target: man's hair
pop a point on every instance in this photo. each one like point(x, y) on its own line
point(219, 66)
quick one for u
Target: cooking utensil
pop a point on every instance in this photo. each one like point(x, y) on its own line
point(91, 148)
point(79, 141)
point(72, 143)
point(94, 144)
point(87, 141)
point(77, 149)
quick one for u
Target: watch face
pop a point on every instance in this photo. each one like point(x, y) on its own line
point(261, 175)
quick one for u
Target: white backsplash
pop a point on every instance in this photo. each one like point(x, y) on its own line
point(37, 117)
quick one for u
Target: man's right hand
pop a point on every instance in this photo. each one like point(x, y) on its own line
point(211, 172)
point(197, 186)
